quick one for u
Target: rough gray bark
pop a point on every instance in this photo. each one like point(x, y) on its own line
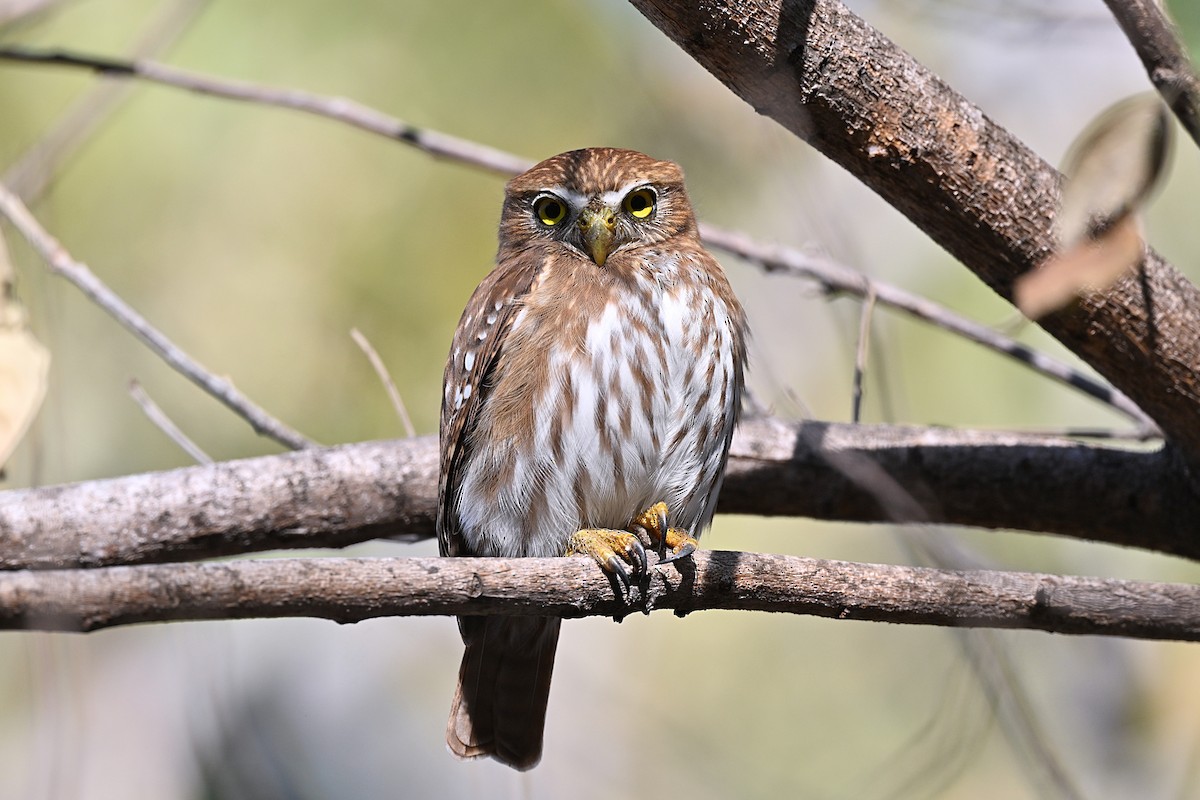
point(349, 590)
point(830, 78)
point(319, 497)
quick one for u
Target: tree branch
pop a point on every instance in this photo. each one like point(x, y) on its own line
point(1157, 43)
point(350, 590)
point(830, 78)
point(319, 497)
point(334, 497)
point(341, 109)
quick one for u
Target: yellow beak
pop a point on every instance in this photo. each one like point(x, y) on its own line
point(597, 226)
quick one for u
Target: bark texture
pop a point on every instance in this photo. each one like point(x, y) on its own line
point(351, 590)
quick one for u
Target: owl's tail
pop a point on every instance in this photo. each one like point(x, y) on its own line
point(499, 707)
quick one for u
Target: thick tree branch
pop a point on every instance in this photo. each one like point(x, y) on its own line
point(350, 590)
point(1157, 43)
point(319, 497)
point(830, 78)
point(334, 497)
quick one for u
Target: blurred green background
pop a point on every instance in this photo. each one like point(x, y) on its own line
point(257, 239)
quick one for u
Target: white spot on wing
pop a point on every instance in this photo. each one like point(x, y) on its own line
point(469, 360)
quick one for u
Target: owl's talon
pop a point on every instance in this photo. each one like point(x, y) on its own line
point(653, 522)
point(616, 567)
point(619, 553)
point(638, 557)
point(686, 546)
point(661, 518)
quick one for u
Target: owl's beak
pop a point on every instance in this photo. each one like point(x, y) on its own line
point(597, 226)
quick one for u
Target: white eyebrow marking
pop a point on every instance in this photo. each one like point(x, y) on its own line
point(574, 199)
point(613, 199)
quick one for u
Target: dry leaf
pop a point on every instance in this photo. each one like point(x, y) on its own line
point(24, 364)
point(1089, 264)
point(1114, 166)
point(1111, 170)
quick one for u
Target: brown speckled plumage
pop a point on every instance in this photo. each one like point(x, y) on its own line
point(580, 389)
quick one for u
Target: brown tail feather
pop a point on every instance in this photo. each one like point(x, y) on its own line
point(499, 707)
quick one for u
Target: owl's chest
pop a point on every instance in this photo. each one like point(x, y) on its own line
point(645, 357)
point(636, 404)
point(624, 404)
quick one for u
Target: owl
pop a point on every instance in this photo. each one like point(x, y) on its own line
point(591, 392)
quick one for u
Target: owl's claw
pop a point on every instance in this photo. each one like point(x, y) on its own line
point(638, 557)
point(621, 553)
point(660, 513)
point(683, 549)
point(653, 521)
point(612, 550)
point(616, 567)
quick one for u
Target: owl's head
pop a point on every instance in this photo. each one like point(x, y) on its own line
point(596, 202)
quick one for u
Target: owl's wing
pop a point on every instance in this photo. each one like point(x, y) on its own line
point(478, 342)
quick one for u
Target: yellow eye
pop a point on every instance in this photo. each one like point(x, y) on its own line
point(640, 203)
point(549, 209)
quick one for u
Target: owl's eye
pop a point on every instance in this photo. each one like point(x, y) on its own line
point(640, 203)
point(549, 209)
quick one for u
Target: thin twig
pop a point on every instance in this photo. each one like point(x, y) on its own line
point(861, 353)
point(1158, 45)
point(836, 278)
point(164, 424)
point(350, 590)
point(341, 109)
point(386, 379)
point(29, 176)
point(61, 263)
point(772, 259)
point(1097, 434)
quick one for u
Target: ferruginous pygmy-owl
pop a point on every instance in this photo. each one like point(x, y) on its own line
point(591, 392)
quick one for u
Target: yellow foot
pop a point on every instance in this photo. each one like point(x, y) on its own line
point(611, 550)
point(654, 522)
